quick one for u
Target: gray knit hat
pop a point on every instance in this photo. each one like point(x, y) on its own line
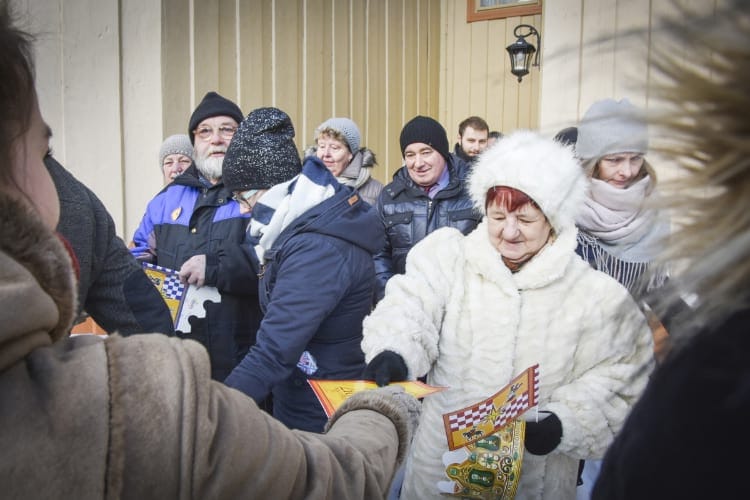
point(345, 127)
point(175, 144)
point(262, 152)
point(611, 126)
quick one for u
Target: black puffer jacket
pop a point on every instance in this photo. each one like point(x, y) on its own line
point(409, 215)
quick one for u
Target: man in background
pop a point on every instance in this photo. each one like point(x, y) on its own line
point(195, 226)
point(473, 133)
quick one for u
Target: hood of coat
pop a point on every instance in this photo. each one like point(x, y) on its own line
point(37, 284)
point(345, 216)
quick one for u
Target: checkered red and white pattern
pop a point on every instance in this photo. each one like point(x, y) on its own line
point(470, 417)
point(510, 411)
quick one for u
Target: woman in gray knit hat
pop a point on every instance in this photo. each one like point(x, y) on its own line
point(619, 231)
point(311, 244)
point(175, 156)
point(337, 144)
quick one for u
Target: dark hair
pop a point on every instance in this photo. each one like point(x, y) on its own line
point(494, 134)
point(567, 136)
point(474, 122)
point(17, 94)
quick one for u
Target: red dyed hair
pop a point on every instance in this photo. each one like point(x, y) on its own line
point(507, 197)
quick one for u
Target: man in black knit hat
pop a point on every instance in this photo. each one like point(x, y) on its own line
point(426, 193)
point(196, 227)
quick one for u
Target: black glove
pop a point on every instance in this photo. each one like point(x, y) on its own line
point(542, 437)
point(385, 368)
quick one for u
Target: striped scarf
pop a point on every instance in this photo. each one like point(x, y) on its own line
point(285, 202)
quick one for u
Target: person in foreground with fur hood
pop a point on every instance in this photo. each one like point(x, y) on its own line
point(472, 312)
point(91, 417)
point(688, 436)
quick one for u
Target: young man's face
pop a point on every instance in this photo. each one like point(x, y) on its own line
point(474, 141)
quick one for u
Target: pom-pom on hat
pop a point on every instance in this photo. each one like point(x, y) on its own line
point(213, 105)
point(346, 128)
point(610, 126)
point(175, 144)
point(262, 152)
point(428, 131)
point(545, 169)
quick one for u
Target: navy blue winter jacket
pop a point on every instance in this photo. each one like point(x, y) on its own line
point(315, 290)
point(192, 217)
point(409, 215)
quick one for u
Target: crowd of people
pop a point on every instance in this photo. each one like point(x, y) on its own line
point(468, 267)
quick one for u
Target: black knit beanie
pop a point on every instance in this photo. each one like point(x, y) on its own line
point(262, 152)
point(426, 130)
point(213, 105)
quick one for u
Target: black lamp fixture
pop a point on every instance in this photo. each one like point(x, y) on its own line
point(520, 51)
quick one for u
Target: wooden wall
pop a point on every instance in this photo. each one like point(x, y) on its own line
point(375, 61)
point(475, 76)
point(117, 76)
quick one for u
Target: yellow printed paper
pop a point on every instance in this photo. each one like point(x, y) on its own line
point(167, 281)
point(484, 418)
point(332, 393)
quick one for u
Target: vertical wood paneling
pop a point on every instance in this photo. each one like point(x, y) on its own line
point(431, 21)
point(379, 62)
point(599, 28)
point(495, 62)
point(341, 43)
point(287, 74)
point(313, 76)
point(140, 83)
point(477, 79)
point(398, 71)
point(413, 63)
point(631, 51)
point(377, 128)
point(175, 66)
point(561, 65)
point(227, 48)
point(45, 20)
point(254, 30)
point(359, 67)
point(206, 50)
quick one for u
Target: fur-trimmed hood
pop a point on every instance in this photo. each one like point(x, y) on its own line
point(35, 269)
point(544, 169)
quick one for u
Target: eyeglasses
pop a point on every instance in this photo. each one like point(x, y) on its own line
point(205, 132)
point(242, 197)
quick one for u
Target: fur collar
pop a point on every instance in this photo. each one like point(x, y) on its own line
point(25, 239)
point(545, 267)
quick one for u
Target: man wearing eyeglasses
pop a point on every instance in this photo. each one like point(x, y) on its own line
point(196, 227)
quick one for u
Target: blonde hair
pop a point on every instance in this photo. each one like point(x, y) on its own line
point(706, 133)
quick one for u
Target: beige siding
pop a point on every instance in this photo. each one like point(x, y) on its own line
point(117, 76)
point(477, 78)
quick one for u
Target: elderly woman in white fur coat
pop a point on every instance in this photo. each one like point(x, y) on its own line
point(472, 312)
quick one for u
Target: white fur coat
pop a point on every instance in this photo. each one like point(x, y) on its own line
point(460, 316)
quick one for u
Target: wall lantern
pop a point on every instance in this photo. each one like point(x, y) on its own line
point(520, 51)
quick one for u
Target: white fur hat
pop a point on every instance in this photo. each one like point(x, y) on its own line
point(546, 170)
